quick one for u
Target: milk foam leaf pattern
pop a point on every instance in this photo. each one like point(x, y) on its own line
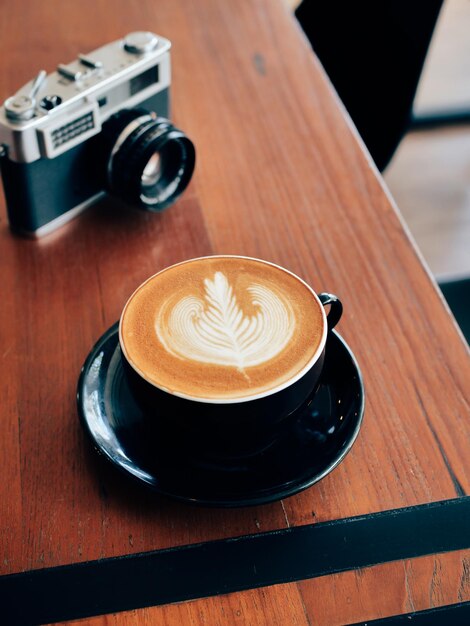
point(217, 331)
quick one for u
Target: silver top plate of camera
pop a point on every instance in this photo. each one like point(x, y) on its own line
point(56, 112)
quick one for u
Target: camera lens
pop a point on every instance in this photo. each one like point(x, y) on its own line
point(149, 161)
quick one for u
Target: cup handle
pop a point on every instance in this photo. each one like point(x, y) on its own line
point(336, 308)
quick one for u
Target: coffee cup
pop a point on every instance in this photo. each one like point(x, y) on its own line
point(220, 352)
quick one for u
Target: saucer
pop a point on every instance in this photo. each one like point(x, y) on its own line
point(323, 432)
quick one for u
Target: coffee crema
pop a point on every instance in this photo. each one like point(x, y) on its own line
point(222, 328)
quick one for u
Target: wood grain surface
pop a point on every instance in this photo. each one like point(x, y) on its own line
point(280, 175)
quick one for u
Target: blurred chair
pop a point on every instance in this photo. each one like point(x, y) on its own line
point(457, 294)
point(374, 53)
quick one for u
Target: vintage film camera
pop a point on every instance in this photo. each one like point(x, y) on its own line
point(96, 125)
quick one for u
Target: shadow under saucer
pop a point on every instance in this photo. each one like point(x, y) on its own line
point(320, 435)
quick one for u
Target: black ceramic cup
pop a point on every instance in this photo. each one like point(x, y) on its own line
point(228, 428)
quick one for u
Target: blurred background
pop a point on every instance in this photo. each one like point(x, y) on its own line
point(429, 175)
point(404, 77)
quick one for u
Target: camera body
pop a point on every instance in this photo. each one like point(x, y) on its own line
point(61, 134)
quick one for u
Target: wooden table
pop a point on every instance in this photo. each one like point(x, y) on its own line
point(281, 175)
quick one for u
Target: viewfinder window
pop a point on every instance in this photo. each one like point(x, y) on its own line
point(147, 78)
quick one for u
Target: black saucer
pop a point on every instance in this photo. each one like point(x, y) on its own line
point(319, 439)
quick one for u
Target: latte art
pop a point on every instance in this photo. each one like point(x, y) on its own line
point(216, 330)
point(222, 328)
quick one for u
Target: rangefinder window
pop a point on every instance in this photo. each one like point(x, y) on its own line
point(147, 78)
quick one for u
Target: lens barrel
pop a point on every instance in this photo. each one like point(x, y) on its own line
point(149, 161)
